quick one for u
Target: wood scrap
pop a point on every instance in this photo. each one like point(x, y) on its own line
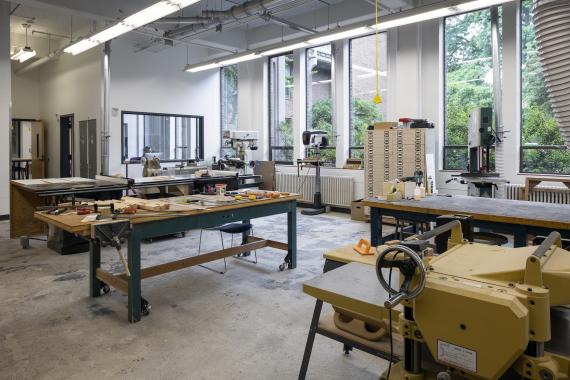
point(147, 204)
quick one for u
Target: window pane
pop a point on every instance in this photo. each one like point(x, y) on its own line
point(229, 103)
point(282, 155)
point(174, 137)
point(363, 111)
point(539, 127)
point(281, 89)
point(319, 95)
point(455, 158)
point(468, 76)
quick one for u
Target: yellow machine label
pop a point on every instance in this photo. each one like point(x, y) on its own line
point(457, 356)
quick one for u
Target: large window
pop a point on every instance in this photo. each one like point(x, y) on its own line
point(229, 102)
point(542, 146)
point(363, 111)
point(468, 79)
point(175, 137)
point(281, 86)
point(320, 110)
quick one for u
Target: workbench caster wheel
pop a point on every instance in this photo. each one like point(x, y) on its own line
point(105, 289)
point(25, 242)
point(346, 348)
point(145, 307)
point(283, 266)
point(183, 234)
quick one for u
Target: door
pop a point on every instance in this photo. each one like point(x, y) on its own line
point(66, 146)
point(38, 150)
point(88, 148)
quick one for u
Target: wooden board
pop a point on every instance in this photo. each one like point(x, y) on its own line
point(22, 207)
point(534, 214)
point(72, 223)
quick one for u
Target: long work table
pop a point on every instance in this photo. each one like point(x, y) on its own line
point(181, 217)
point(517, 218)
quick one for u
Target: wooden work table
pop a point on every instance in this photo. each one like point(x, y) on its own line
point(152, 224)
point(519, 218)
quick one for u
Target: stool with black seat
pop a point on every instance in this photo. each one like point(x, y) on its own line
point(232, 229)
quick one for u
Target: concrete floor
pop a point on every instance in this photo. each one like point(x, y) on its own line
point(250, 323)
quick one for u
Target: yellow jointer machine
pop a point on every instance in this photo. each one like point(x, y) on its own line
point(475, 311)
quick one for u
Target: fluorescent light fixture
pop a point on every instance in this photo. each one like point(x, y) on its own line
point(197, 69)
point(24, 54)
point(150, 14)
point(283, 49)
point(479, 4)
point(438, 13)
point(429, 12)
point(339, 35)
point(235, 60)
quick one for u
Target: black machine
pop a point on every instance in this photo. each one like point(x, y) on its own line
point(315, 140)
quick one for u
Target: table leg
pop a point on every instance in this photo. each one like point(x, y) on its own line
point(94, 263)
point(27, 169)
point(311, 339)
point(292, 237)
point(520, 238)
point(375, 226)
point(244, 237)
point(134, 261)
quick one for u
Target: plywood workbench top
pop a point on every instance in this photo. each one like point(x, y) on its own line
point(72, 223)
point(555, 216)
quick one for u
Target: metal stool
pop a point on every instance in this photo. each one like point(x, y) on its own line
point(232, 229)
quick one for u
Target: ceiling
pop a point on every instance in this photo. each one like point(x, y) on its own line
point(64, 19)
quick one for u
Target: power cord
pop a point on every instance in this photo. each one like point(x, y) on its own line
point(304, 180)
point(390, 325)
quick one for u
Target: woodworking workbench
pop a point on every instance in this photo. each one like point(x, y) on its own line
point(517, 218)
point(182, 216)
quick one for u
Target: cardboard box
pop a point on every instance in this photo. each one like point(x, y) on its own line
point(385, 125)
point(357, 211)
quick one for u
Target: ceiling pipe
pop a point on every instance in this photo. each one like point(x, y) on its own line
point(290, 24)
point(236, 13)
point(185, 20)
point(39, 62)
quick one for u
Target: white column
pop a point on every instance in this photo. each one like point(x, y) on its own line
point(5, 106)
point(300, 102)
point(341, 106)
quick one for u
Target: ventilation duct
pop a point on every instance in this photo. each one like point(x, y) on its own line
point(552, 25)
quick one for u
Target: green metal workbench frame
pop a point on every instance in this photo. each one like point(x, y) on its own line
point(162, 227)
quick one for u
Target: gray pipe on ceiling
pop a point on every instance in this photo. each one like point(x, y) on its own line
point(552, 27)
point(235, 13)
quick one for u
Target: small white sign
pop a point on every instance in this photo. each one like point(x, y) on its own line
point(457, 356)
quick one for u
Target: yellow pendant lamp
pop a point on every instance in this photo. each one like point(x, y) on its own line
point(377, 99)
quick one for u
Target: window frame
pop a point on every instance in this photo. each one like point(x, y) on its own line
point(522, 146)
point(307, 84)
point(269, 109)
point(199, 132)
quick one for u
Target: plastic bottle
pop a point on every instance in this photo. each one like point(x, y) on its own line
point(417, 193)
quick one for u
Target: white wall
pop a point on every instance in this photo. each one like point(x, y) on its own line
point(5, 102)
point(155, 82)
point(69, 85)
point(26, 96)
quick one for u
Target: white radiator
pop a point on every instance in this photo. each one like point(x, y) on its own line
point(336, 191)
point(545, 194)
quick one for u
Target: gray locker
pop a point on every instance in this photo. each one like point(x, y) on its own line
point(88, 148)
